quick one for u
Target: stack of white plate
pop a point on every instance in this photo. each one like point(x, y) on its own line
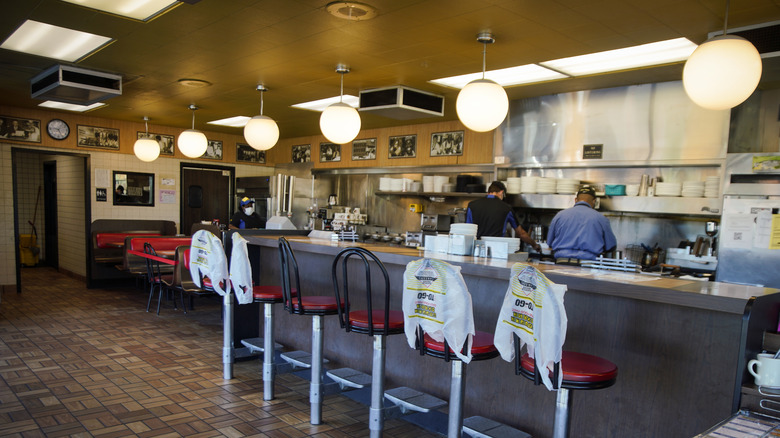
point(528, 184)
point(513, 185)
point(693, 189)
point(712, 187)
point(632, 189)
point(397, 184)
point(668, 189)
point(427, 185)
point(464, 228)
point(439, 181)
point(384, 184)
point(546, 185)
point(513, 243)
point(567, 185)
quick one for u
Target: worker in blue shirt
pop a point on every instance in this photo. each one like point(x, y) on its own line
point(580, 232)
point(492, 215)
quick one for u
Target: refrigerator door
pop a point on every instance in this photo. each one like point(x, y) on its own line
point(745, 237)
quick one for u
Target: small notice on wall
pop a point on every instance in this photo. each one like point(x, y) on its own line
point(774, 242)
point(101, 195)
point(592, 151)
point(167, 196)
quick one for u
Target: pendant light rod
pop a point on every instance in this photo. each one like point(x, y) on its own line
point(342, 70)
point(726, 18)
point(485, 38)
point(261, 88)
point(146, 124)
point(193, 108)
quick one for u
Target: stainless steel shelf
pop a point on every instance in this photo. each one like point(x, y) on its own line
point(435, 194)
point(632, 204)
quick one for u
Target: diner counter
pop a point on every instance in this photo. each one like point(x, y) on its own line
point(681, 346)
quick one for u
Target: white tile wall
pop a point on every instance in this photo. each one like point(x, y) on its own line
point(70, 205)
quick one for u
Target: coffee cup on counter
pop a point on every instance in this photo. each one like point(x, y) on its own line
point(766, 370)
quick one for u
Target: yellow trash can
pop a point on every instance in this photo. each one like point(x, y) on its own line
point(28, 249)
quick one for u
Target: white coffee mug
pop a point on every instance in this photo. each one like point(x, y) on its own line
point(766, 369)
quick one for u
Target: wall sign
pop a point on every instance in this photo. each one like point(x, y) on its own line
point(592, 151)
point(101, 195)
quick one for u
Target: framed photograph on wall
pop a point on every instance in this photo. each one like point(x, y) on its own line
point(446, 143)
point(165, 141)
point(402, 146)
point(330, 152)
point(301, 153)
point(213, 150)
point(248, 154)
point(17, 129)
point(364, 149)
point(95, 137)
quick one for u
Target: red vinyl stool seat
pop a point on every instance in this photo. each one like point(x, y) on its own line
point(580, 370)
point(481, 347)
point(272, 294)
point(358, 321)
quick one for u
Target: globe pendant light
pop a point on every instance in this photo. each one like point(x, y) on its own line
point(723, 71)
point(482, 104)
point(145, 148)
point(340, 123)
point(192, 143)
point(261, 132)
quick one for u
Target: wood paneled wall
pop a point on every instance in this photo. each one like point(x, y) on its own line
point(477, 147)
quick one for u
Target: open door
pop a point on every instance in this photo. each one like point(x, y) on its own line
point(206, 193)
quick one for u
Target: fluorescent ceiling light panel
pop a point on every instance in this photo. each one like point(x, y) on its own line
point(143, 10)
point(70, 107)
point(55, 42)
point(523, 74)
point(645, 55)
point(234, 122)
point(320, 105)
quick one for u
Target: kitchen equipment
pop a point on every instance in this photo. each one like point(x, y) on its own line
point(615, 190)
point(333, 199)
point(538, 232)
point(435, 222)
point(414, 239)
point(643, 185)
point(751, 199)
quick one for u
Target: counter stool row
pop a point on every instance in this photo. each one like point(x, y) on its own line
point(575, 370)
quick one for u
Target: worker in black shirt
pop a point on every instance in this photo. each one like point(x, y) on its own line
point(492, 215)
point(246, 217)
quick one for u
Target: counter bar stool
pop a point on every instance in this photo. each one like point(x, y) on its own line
point(376, 319)
point(437, 304)
point(314, 306)
point(533, 315)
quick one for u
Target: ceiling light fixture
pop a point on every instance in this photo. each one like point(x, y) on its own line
point(352, 11)
point(321, 104)
point(192, 143)
point(340, 123)
point(70, 107)
point(723, 71)
point(145, 148)
point(56, 42)
point(143, 10)
point(482, 104)
point(261, 132)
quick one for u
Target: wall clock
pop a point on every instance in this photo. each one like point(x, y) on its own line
point(58, 129)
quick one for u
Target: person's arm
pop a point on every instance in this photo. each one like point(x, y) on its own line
point(525, 237)
point(610, 241)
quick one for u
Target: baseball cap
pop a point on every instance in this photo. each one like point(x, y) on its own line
point(587, 190)
point(245, 201)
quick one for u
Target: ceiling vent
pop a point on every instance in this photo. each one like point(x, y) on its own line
point(65, 83)
point(401, 103)
point(765, 36)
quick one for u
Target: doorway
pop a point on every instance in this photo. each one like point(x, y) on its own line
point(51, 247)
point(206, 194)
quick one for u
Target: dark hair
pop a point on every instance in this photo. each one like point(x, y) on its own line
point(496, 186)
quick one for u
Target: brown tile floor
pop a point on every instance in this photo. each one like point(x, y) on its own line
point(92, 362)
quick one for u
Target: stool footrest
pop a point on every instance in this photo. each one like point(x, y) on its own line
point(299, 359)
point(481, 427)
point(347, 377)
point(409, 399)
point(257, 344)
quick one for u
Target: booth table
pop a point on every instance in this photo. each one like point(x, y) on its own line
point(681, 346)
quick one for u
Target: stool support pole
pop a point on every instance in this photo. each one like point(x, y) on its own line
point(315, 390)
point(376, 417)
point(563, 403)
point(268, 352)
point(227, 338)
point(457, 387)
